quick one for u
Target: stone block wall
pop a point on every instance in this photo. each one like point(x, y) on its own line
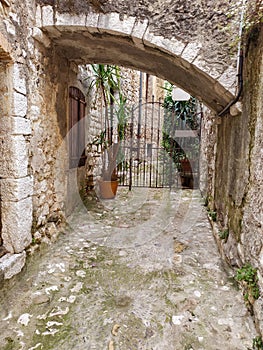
point(235, 191)
point(15, 130)
point(34, 173)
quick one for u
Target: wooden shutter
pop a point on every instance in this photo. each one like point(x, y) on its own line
point(77, 106)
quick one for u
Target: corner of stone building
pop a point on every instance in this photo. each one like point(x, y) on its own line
point(16, 189)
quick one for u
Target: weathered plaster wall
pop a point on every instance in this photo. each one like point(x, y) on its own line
point(238, 184)
point(251, 237)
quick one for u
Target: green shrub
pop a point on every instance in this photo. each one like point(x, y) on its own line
point(248, 274)
point(257, 343)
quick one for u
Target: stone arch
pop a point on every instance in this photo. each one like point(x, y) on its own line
point(128, 41)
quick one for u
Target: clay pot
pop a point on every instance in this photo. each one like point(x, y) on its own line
point(108, 189)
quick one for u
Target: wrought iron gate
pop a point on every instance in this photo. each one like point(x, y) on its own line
point(157, 153)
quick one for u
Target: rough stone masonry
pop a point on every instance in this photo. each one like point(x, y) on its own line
point(190, 43)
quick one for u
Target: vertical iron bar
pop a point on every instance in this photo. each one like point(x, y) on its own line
point(151, 141)
point(158, 142)
point(144, 145)
point(139, 117)
point(171, 148)
point(131, 139)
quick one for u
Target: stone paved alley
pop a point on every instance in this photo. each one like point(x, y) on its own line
point(138, 272)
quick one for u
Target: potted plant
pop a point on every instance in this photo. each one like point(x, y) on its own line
point(106, 79)
point(184, 116)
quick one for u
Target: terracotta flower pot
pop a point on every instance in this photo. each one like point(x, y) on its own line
point(108, 189)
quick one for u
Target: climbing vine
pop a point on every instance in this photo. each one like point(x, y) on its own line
point(248, 15)
point(254, 15)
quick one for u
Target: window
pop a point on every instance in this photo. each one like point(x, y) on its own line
point(77, 106)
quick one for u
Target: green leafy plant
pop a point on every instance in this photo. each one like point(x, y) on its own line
point(122, 112)
point(254, 15)
point(107, 81)
point(206, 201)
point(212, 214)
point(223, 234)
point(184, 110)
point(251, 21)
point(179, 115)
point(257, 343)
point(248, 275)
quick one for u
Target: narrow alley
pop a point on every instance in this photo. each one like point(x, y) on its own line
point(141, 271)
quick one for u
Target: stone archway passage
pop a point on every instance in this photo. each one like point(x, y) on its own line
point(128, 41)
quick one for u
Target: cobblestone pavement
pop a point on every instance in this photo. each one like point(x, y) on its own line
point(138, 272)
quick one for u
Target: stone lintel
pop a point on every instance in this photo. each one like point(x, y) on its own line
point(201, 64)
point(139, 29)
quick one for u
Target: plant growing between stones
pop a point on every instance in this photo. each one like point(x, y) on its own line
point(212, 214)
point(223, 234)
point(247, 275)
point(257, 343)
point(206, 201)
point(253, 17)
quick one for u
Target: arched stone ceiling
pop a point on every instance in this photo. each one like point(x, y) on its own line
point(135, 42)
